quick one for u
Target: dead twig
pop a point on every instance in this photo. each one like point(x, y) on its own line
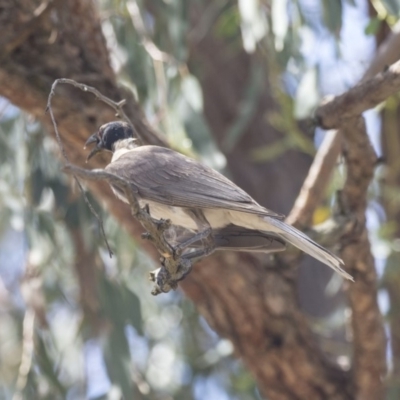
point(28, 332)
point(117, 106)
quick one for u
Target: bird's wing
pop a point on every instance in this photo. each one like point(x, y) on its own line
point(170, 178)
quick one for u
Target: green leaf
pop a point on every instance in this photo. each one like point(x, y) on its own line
point(373, 26)
point(133, 310)
point(37, 183)
point(120, 304)
point(307, 95)
point(271, 151)
point(192, 92)
point(47, 365)
point(118, 362)
point(392, 7)
point(228, 24)
point(46, 225)
point(247, 108)
point(332, 11)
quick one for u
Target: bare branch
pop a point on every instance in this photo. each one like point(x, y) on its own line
point(367, 94)
point(317, 179)
point(368, 334)
point(388, 53)
point(28, 333)
point(118, 107)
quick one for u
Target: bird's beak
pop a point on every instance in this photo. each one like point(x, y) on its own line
point(93, 139)
point(94, 151)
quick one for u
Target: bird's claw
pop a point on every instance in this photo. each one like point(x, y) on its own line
point(164, 280)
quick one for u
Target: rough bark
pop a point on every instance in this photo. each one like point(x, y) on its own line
point(369, 337)
point(255, 304)
point(390, 184)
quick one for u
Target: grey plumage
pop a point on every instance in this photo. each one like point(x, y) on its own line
point(174, 185)
point(233, 238)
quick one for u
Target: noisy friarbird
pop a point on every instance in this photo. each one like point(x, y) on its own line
point(215, 211)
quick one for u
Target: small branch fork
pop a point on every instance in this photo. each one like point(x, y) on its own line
point(343, 115)
point(174, 267)
point(117, 106)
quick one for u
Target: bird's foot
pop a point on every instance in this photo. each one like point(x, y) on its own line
point(177, 252)
point(146, 236)
point(163, 224)
point(166, 281)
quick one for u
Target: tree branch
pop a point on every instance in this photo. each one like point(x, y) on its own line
point(369, 363)
point(387, 53)
point(367, 94)
point(314, 186)
point(118, 107)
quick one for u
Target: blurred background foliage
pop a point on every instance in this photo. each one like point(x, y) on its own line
point(111, 338)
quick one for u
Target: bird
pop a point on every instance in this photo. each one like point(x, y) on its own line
point(213, 209)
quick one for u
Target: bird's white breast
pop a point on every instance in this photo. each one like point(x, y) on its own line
point(160, 211)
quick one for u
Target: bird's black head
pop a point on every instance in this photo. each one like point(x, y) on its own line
point(107, 135)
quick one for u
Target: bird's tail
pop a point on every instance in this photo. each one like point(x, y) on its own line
point(300, 240)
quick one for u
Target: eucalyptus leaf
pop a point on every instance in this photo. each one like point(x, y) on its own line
point(332, 12)
point(118, 362)
point(247, 109)
point(133, 310)
point(307, 94)
point(46, 365)
point(192, 92)
point(392, 7)
point(280, 22)
point(373, 26)
point(272, 151)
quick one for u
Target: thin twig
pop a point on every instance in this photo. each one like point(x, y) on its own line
point(64, 153)
point(118, 107)
point(27, 352)
point(387, 53)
